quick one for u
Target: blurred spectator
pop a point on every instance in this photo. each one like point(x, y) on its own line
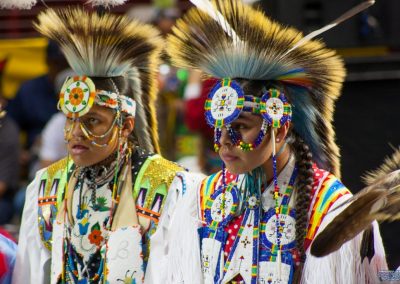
point(33, 106)
point(35, 103)
point(195, 96)
point(176, 141)
point(36, 100)
point(8, 250)
point(9, 167)
point(52, 146)
point(165, 20)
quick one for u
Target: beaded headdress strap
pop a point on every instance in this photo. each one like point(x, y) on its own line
point(226, 101)
point(79, 93)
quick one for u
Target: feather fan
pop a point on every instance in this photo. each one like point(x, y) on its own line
point(379, 201)
point(107, 46)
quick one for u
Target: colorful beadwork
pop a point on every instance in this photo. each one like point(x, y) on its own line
point(275, 108)
point(224, 103)
point(221, 206)
point(252, 104)
point(116, 101)
point(237, 139)
point(284, 222)
point(77, 96)
point(217, 139)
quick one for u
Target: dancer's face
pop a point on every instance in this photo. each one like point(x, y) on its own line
point(238, 161)
point(98, 121)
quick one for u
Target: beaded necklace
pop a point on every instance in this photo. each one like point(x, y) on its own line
point(121, 167)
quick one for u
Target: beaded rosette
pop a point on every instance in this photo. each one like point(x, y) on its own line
point(226, 101)
point(221, 206)
point(77, 96)
point(286, 228)
point(275, 108)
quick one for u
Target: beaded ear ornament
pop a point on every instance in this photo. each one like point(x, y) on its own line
point(226, 101)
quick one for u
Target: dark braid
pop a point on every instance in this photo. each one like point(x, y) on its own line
point(304, 183)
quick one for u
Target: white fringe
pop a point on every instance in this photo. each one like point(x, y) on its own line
point(184, 262)
point(17, 4)
point(174, 247)
point(106, 3)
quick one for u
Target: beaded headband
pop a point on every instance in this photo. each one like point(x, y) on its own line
point(79, 93)
point(226, 101)
point(110, 100)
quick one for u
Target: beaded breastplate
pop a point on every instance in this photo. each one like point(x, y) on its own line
point(243, 249)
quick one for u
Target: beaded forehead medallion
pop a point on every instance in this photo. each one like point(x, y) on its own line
point(224, 103)
point(77, 96)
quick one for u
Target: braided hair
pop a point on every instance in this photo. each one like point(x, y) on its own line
point(304, 184)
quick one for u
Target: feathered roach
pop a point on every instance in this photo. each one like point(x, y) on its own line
point(201, 41)
point(111, 46)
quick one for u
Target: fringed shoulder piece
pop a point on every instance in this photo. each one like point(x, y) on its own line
point(151, 186)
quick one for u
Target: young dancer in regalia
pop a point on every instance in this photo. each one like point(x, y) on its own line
point(272, 111)
point(89, 217)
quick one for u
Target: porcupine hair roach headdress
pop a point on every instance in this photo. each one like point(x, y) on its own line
point(109, 46)
point(248, 45)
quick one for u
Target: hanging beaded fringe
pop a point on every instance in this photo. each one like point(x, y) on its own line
point(277, 207)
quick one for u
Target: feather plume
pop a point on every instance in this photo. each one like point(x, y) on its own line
point(390, 164)
point(141, 131)
point(379, 201)
point(106, 3)
point(17, 4)
point(110, 46)
point(198, 41)
point(207, 7)
point(347, 15)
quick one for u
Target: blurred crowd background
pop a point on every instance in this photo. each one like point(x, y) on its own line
point(32, 71)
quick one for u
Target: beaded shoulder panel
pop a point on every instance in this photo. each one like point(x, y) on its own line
point(151, 186)
point(149, 190)
point(327, 189)
point(52, 179)
point(209, 185)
